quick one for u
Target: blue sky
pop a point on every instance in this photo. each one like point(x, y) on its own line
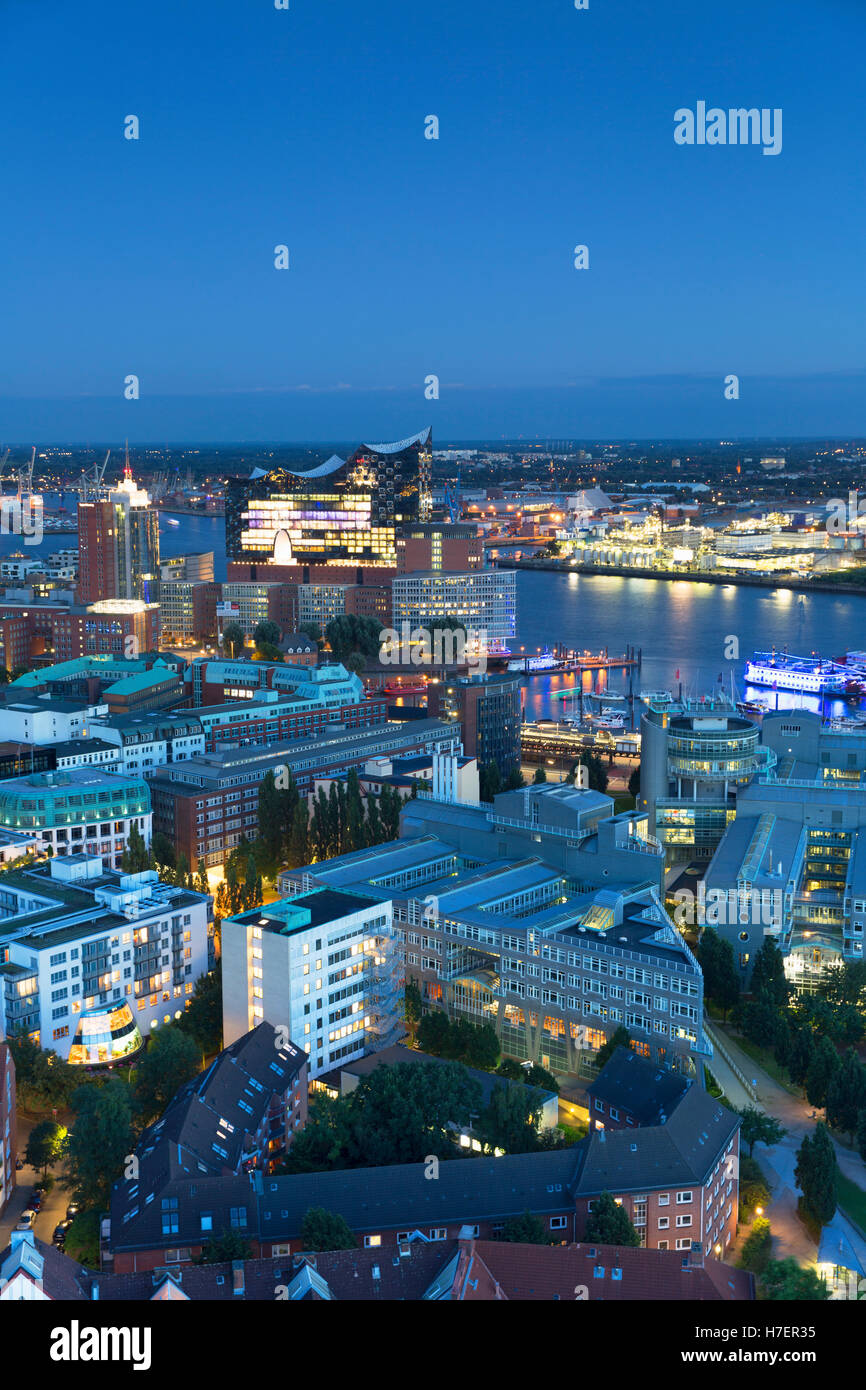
point(412, 257)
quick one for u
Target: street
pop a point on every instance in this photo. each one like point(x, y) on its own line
point(56, 1201)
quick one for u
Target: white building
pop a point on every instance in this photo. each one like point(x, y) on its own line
point(93, 960)
point(44, 719)
point(484, 600)
point(324, 963)
point(147, 743)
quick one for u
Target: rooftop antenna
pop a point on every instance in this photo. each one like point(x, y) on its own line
point(127, 471)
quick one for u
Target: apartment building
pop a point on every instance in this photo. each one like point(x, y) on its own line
point(326, 963)
point(8, 1126)
point(91, 960)
point(691, 1175)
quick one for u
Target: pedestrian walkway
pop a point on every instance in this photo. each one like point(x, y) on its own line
point(778, 1161)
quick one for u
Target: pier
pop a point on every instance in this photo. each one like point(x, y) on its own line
point(579, 662)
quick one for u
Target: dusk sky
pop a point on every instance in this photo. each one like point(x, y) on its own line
point(411, 257)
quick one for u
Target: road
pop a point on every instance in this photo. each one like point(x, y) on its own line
point(55, 1204)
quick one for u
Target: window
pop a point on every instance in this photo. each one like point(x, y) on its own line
point(683, 1198)
point(664, 1222)
point(438, 1233)
point(663, 1245)
point(557, 1223)
point(207, 1221)
point(684, 1245)
point(614, 1114)
point(684, 1221)
point(664, 1199)
point(238, 1217)
point(371, 1241)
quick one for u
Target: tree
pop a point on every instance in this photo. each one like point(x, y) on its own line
point(201, 883)
point(170, 1059)
point(298, 852)
point(727, 981)
point(768, 975)
point(621, 1038)
point(489, 781)
point(434, 1031)
point(267, 634)
point(403, 1113)
point(757, 1247)
point(326, 1230)
point(412, 1002)
point(596, 772)
point(634, 783)
point(525, 1230)
point(760, 1020)
point(233, 639)
point(825, 1060)
point(43, 1079)
point(163, 851)
point(272, 827)
point(540, 776)
point(136, 858)
point(481, 1047)
point(228, 1245)
point(609, 1224)
point(45, 1146)
point(203, 1017)
point(540, 1076)
point(100, 1141)
point(514, 780)
point(800, 1055)
point(785, 1282)
point(816, 1175)
point(759, 1128)
point(846, 1094)
point(511, 1118)
point(313, 631)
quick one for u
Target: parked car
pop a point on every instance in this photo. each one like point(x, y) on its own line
point(72, 1211)
point(25, 1221)
point(59, 1237)
point(19, 1164)
point(36, 1200)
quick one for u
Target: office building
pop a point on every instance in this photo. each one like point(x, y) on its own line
point(792, 867)
point(206, 805)
point(695, 758)
point(487, 707)
point(437, 546)
point(118, 545)
point(542, 916)
point(483, 600)
point(84, 811)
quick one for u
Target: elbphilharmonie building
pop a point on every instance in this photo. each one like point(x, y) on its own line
point(344, 511)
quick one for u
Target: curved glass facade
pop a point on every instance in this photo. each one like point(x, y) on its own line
point(104, 1036)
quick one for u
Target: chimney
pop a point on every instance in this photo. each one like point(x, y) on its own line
point(238, 1278)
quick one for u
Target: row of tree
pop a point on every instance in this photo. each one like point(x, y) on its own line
point(412, 1112)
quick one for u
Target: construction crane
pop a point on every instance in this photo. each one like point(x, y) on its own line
point(3, 463)
point(25, 476)
point(452, 499)
point(91, 480)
